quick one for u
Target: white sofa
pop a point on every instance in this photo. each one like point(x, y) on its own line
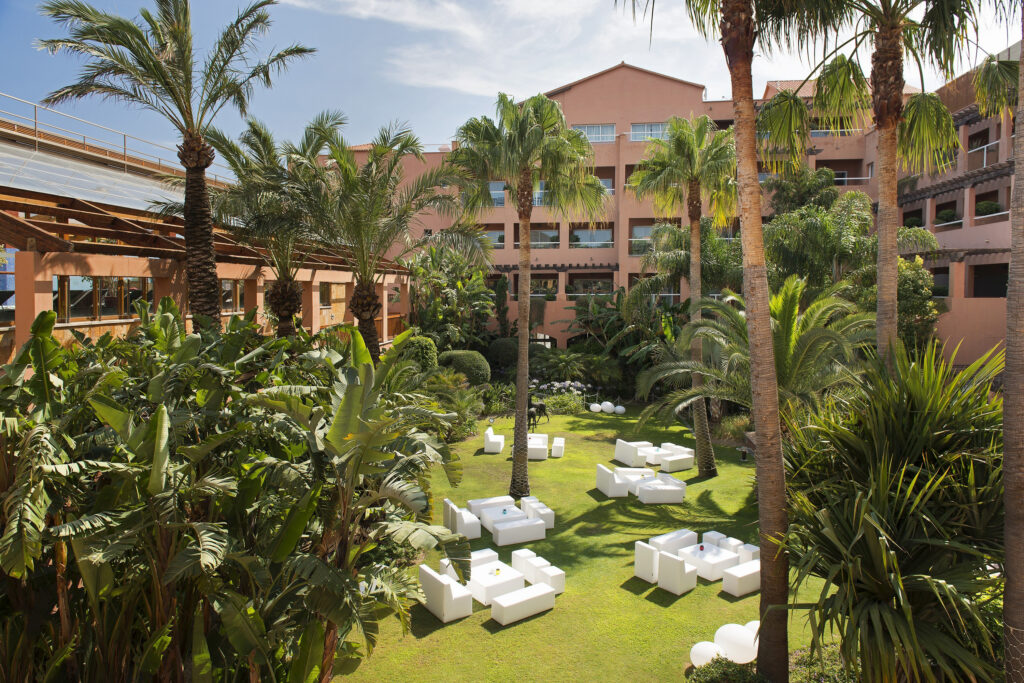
point(477, 505)
point(537, 446)
point(477, 558)
point(645, 562)
point(535, 509)
point(676, 462)
point(493, 443)
point(460, 520)
point(627, 453)
point(664, 489)
point(749, 552)
point(446, 598)
point(523, 603)
point(611, 484)
point(558, 447)
point(674, 540)
point(675, 575)
point(518, 531)
point(742, 579)
point(653, 454)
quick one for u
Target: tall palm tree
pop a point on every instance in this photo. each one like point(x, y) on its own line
point(529, 144)
point(262, 208)
point(370, 210)
point(997, 84)
point(695, 162)
point(151, 62)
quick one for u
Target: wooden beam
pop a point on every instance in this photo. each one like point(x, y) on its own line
point(125, 224)
point(109, 249)
point(17, 231)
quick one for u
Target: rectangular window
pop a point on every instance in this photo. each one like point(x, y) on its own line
point(990, 280)
point(590, 285)
point(640, 239)
point(232, 293)
point(545, 286)
point(940, 281)
point(647, 131)
point(83, 297)
point(609, 185)
point(597, 132)
point(596, 236)
point(540, 195)
point(497, 189)
point(325, 294)
point(542, 236)
point(7, 295)
point(497, 237)
point(871, 169)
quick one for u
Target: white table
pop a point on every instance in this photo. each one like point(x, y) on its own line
point(494, 579)
point(653, 454)
point(634, 476)
point(636, 480)
point(507, 513)
point(711, 561)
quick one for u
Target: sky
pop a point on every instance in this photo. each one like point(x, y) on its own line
point(428, 63)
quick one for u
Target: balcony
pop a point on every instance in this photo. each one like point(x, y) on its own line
point(983, 156)
point(497, 199)
point(826, 133)
point(638, 246)
point(540, 198)
point(851, 181)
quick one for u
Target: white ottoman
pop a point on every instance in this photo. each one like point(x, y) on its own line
point(525, 602)
point(742, 579)
point(554, 577)
point(676, 462)
point(749, 552)
point(518, 531)
point(731, 544)
point(557, 447)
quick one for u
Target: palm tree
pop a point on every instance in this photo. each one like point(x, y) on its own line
point(997, 84)
point(370, 210)
point(152, 63)
point(814, 347)
point(262, 207)
point(529, 144)
point(695, 161)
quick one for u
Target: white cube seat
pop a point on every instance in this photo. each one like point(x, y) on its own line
point(477, 505)
point(627, 452)
point(446, 598)
point(481, 557)
point(749, 552)
point(742, 579)
point(534, 565)
point(557, 447)
point(611, 484)
point(674, 540)
point(675, 575)
point(552, 576)
point(518, 531)
point(522, 603)
point(493, 443)
point(712, 538)
point(645, 562)
point(676, 448)
point(664, 489)
point(535, 509)
point(731, 544)
point(519, 558)
point(676, 462)
point(537, 446)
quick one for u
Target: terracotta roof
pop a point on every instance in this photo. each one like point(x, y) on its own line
point(806, 88)
point(621, 65)
point(365, 147)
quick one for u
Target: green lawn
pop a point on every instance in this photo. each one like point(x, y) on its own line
point(608, 624)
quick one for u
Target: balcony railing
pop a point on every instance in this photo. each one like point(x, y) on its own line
point(950, 225)
point(541, 245)
point(855, 180)
point(498, 198)
point(639, 245)
point(825, 133)
point(540, 198)
point(983, 156)
point(591, 245)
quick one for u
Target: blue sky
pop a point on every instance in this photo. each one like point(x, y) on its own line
point(430, 63)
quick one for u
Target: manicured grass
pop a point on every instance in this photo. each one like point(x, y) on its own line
point(608, 625)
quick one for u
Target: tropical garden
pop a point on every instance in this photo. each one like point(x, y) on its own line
point(234, 501)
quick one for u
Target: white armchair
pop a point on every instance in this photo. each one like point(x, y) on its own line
point(675, 575)
point(446, 598)
point(493, 443)
point(664, 489)
point(611, 484)
point(537, 446)
point(626, 452)
point(645, 562)
point(461, 521)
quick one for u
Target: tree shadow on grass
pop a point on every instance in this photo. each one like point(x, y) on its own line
point(728, 597)
point(423, 623)
point(493, 627)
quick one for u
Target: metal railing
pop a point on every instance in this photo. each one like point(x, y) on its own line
point(958, 221)
point(852, 180)
point(55, 128)
point(983, 156)
point(639, 245)
point(592, 245)
point(842, 132)
point(498, 199)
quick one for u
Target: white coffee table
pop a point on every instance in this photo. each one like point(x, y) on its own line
point(653, 454)
point(494, 579)
point(711, 561)
point(507, 513)
point(636, 481)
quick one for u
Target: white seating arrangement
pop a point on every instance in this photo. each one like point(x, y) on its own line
point(493, 579)
point(627, 452)
point(664, 489)
point(635, 476)
point(645, 562)
point(446, 598)
point(535, 509)
point(518, 531)
point(520, 604)
point(537, 446)
point(506, 513)
point(478, 558)
point(538, 570)
point(710, 560)
point(676, 462)
point(460, 520)
point(477, 505)
point(749, 552)
point(611, 483)
point(742, 579)
point(554, 577)
point(493, 443)
point(653, 454)
point(675, 575)
point(674, 540)
point(557, 447)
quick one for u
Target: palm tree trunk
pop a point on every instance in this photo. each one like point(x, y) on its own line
point(701, 431)
point(1013, 417)
point(330, 647)
point(520, 484)
point(200, 262)
point(887, 101)
point(365, 306)
point(284, 298)
point(737, 29)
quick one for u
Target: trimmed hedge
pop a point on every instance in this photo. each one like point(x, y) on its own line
point(503, 352)
point(987, 208)
point(423, 351)
point(472, 364)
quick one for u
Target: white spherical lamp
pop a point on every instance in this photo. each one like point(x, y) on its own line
point(595, 407)
point(752, 626)
point(703, 652)
point(608, 407)
point(737, 642)
point(620, 410)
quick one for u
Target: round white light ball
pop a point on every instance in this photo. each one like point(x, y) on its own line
point(703, 652)
point(595, 407)
point(752, 626)
point(620, 410)
point(608, 407)
point(737, 642)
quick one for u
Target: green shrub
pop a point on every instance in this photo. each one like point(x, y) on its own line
point(720, 670)
point(423, 351)
point(564, 404)
point(733, 427)
point(987, 208)
point(825, 666)
point(946, 216)
point(472, 364)
point(499, 398)
point(502, 353)
point(913, 222)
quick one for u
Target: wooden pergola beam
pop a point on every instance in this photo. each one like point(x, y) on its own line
point(27, 237)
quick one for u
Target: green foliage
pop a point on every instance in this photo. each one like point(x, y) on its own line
point(422, 351)
point(917, 311)
point(502, 353)
point(565, 404)
point(913, 222)
point(801, 187)
point(945, 216)
point(822, 666)
point(472, 364)
point(721, 670)
point(734, 427)
point(501, 287)
point(450, 300)
point(499, 398)
point(896, 494)
point(558, 365)
point(987, 208)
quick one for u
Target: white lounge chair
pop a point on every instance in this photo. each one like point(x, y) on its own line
point(446, 598)
point(477, 505)
point(537, 446)
point(557, 447)
point(742, 579)
point(525, 602)
point(674, 540)
point(626, 452)
point(460, 520)
point(518, 531)
point(611, 484)
point(664, 489)
point(645, 562)
point(493, 443)
point(675, 575)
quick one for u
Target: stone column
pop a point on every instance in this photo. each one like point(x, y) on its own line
point(969, 196)
point(254, 296)
point(957, 280)
point(33, 294)
point(311, 305)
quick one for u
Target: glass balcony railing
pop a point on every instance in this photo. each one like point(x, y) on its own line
point(498, 199)
point(638, 246)
point(982, 156)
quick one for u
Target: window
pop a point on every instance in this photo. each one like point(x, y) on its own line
point(596, 236)
point(940, 281)
point(497, 188)
point(585, 284)
point(496, 235)
point(545, 286)
point(640, 239)
point(82, 297)
point(647, 131)
point(232, 294)
point(609, 185)
point(542, 236)
point(600, 132)
point(540, 195)
point(326, 290)
point(989, 280)
point(871, 169)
